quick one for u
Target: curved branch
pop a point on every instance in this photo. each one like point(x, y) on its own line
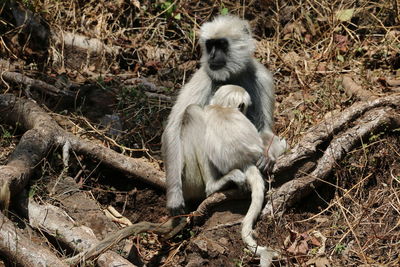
point(324, 131)
point(168, 228)
point(42, 133)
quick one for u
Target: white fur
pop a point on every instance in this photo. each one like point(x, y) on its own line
point(176, 148)
point(231, 96)
point(195, 92)
point(256, 184)
point(241, 44)
point(232, 142)
point(186, 159)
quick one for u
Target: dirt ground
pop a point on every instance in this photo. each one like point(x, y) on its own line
point(122, 100)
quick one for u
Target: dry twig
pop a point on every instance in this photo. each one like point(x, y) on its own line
point(19, 78)
point(168, 229)
point(108, 242)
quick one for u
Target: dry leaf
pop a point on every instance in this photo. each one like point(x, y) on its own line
point(345, 14)
point(342, 42)
point(320, 241)
point(291, 58)
point(136, 3)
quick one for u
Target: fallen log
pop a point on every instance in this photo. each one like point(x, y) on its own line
point(19, 78)
point(55, 222)
point(21, 250)
point(83, 42)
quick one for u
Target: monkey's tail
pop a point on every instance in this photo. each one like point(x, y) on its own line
point(256, 183)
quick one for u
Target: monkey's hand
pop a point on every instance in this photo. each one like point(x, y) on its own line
point(276, 147)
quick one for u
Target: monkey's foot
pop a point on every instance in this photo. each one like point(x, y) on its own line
point(267, 255)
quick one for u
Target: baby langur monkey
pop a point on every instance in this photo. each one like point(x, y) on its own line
point(221, 145)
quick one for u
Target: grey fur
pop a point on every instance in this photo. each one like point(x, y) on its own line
point(242, 70)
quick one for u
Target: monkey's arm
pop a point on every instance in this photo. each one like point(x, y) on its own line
point(194, 92)
point(273, 145)
point(173, 162)
point(266, 91)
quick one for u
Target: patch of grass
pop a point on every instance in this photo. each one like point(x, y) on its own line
point(339, 248)
point(6, 136)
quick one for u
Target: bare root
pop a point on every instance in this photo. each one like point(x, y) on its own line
point(21, 250)
point(43, 133)
point(168, 229)
point(323, 146)
point(372, 115)
point(307, 149)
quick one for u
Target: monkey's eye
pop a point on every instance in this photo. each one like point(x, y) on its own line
point(223, 44)
point(210, 44)
point(220, 44)
point(241, 107)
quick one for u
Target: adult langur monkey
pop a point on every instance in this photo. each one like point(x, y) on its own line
point(227, 47)
point(221, 145)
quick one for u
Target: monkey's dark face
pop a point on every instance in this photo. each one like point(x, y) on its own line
point(217, 50)
point(227, 47)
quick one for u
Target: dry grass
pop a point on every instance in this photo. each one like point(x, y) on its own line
point(308, 45)
point(357, 211)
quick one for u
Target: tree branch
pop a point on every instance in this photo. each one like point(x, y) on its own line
point(292, 191)
point(21, 250)
point(42, 133)
point(58, 224)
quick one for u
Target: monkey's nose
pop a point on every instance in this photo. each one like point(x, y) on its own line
point(216, 65)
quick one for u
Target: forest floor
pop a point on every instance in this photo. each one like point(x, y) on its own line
point(123, 90)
